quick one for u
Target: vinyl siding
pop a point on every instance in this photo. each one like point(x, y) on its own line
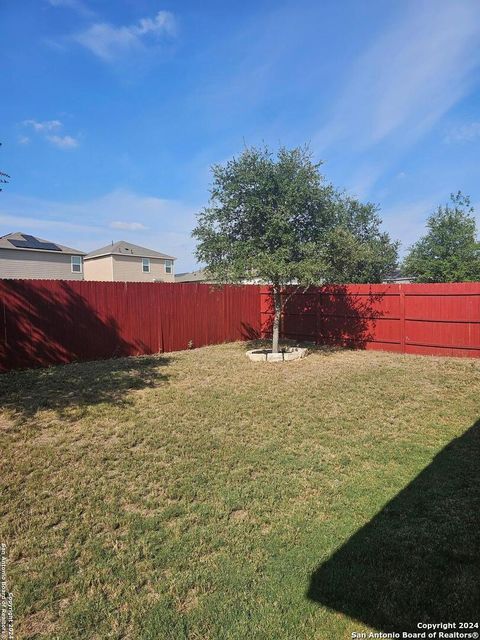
point(129, 269)
point(99, 268)
point(36, 265)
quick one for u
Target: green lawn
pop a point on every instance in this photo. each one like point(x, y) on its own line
point(199, 495)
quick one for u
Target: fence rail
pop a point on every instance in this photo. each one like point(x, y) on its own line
point(430, 319)
point(45, 322)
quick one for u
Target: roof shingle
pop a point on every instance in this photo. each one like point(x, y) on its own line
point(127, 249)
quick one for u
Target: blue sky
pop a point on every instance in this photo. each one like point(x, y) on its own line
point(112, 111)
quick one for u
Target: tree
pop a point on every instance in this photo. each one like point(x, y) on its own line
point(277, 219)
point(3, 177)
point(450, 251)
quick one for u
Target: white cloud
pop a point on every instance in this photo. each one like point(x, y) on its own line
point(464, 133)
point(130, 226)
point(77, 5)
point(108, 42)
point(411, 75)
point(23, 139)
point(24, 223)
point(63, 142)
point(46, 129)
point(47, 125)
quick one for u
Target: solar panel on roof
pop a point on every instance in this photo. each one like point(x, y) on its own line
point(30, 242)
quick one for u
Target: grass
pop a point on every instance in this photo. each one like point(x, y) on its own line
point(203, 496)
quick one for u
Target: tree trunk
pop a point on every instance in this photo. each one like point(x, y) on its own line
point(277, 300)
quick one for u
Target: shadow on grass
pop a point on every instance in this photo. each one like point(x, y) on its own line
point(79, 385)
point(418, 560)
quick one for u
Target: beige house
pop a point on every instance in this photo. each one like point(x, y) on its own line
point(194, 276)
point(25, 256)
point(126, 262)
point(202, 276)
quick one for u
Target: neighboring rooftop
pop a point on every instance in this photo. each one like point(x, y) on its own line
point(397, 277)
point(127, 249)
point(193, 276)
point(25, 242)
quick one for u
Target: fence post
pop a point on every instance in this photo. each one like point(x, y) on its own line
point(402, 317)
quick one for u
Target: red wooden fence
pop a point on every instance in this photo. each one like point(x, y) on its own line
point(44, 322)
point(430, 319)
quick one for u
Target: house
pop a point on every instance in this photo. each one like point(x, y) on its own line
point(396, 277)
point(125, 262)
point(202, 276)
point(26, 256)
point(194, 276)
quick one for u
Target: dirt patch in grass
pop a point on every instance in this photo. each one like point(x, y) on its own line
point(238, 515)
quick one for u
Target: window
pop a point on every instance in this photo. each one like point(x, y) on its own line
point(76, 262)
point(168, 266)
point(146, 265)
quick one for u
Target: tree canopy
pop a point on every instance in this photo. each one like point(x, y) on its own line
point(450, 251)
point(274, 217)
